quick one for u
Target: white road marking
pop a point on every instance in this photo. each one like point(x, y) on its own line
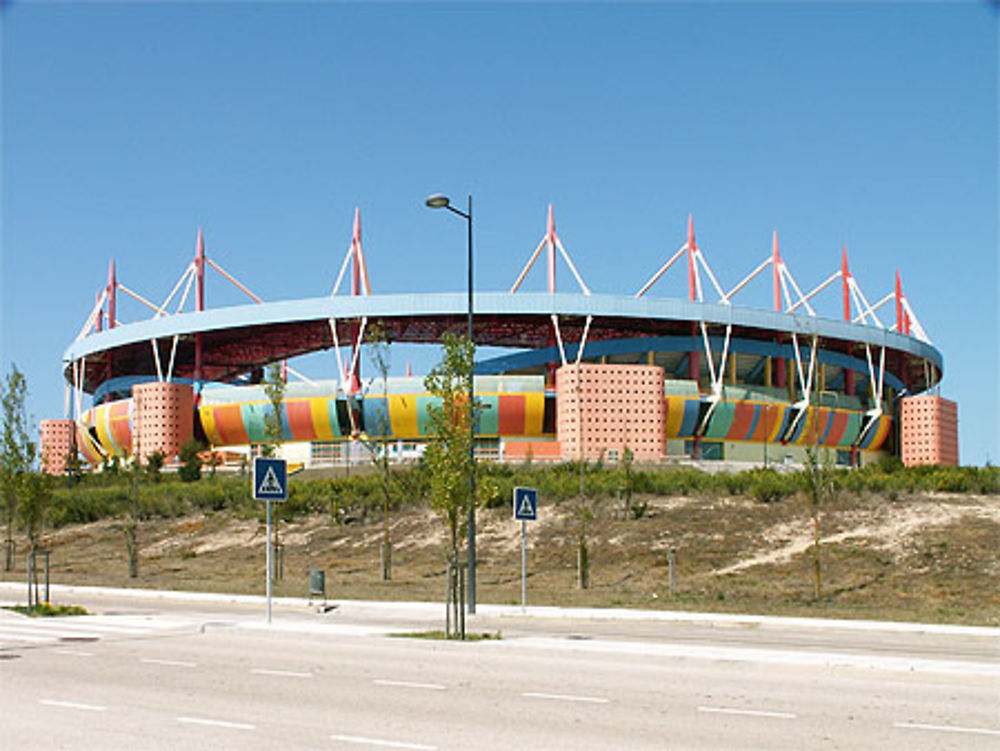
point(749, 712)
point(169, 663)
point(72, 652)
point(383, 743)
point(946, 728)
point(409, 684)
point(567, 697)
point(216, 723)
point(281, 673)
point(71, 705)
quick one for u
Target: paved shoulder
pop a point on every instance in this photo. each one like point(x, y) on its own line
point(20, 631)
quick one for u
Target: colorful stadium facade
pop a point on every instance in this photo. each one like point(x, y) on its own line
point(591, 375)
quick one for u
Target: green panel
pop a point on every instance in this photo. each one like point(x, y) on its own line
point(854, 423)
point(488, 422)
point(722, 420)
point(423, 417)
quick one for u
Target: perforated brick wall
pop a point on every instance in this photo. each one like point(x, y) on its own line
point(54, 445)
point(603, 409)
point(163, 415)
point(929, 431)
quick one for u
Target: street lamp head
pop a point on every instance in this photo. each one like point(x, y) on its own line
point(438, 201)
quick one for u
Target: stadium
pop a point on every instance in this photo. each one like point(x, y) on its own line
point(582, 374)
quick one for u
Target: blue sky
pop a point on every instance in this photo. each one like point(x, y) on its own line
point(125, 127)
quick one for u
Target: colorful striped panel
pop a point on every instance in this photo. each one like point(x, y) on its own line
point(324, 422)
point(227, 421)
point(253, 417)
point(682, 416)
point(298, 420)
point(423, 415)
point(120, 417)
point(721, 420)
point(877, 435)
point(851, 430)
point(87, 446)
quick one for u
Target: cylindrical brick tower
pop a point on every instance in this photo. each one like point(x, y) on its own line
point(163, 416)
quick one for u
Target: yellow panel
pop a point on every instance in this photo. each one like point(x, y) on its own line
point(403, 416)
point(675, 415)
point(319, 409)
point(534, 414)
point(207, 416)
point(101, 423)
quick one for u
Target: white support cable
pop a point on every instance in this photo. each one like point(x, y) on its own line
point(663, 269)
point(529, 264)
point(300, 376)
point(343, 270)
point(66, 412)
point(162, 310)
point(795, 286)
point(725, 357)
point(341, 373)
point(784, 287)
point(583, 340)
point(137, 296)
point(700, 257)
point(708, 353)
point(918, 330)
point(95, 311)
point(748, 278)
point(867, 309)
point(569, 262)
point(816, 291)
point(184, 295)
point(559, 341)
point(173, 355)
point(156, 359)
point(881, 376)
point(357, 348)
point(883, 301)
point(697, 283)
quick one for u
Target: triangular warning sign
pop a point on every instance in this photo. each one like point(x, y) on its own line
point(525, 509)
point(270, 485)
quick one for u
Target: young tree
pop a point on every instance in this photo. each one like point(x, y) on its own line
point(820, 490)
point(448, 457)
point(378, 445)
point(447, 453)
point(274, 388)
point(189, 469)
point(17, 453)
point(34, 503)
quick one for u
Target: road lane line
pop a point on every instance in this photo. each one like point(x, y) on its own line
point(281, 673)
point(749, 712)
point(409, 684)
point(566, 697)
point(383, 743)
point(216, 723)
point(946, 728)
point(71, 705)
point(72, 653)
point(169, 663)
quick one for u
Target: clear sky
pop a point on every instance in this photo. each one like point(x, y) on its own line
point(126, 127)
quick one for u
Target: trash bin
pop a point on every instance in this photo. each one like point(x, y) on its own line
point(317, 584)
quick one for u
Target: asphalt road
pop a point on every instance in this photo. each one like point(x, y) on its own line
point(166, 674)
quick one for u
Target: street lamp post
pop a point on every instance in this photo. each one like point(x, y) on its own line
point(438, 201)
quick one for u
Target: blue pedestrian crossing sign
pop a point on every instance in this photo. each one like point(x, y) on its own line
point(270, 479)
point(526, 504)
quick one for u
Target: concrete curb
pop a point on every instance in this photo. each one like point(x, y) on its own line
point(434, 609)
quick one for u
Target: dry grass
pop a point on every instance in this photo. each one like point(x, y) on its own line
point(920, 558)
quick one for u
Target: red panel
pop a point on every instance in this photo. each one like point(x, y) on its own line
point(510, 420)
point(742, 420)
point(300, 421)
point(121, 432)
point(229, 424)
point(837, 430)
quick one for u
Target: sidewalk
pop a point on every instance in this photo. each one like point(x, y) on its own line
point(12, 592)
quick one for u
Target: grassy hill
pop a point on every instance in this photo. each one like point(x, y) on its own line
point(896, 544)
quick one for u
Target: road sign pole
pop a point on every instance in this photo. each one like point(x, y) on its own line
point(524, 565)
point(268, 558)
